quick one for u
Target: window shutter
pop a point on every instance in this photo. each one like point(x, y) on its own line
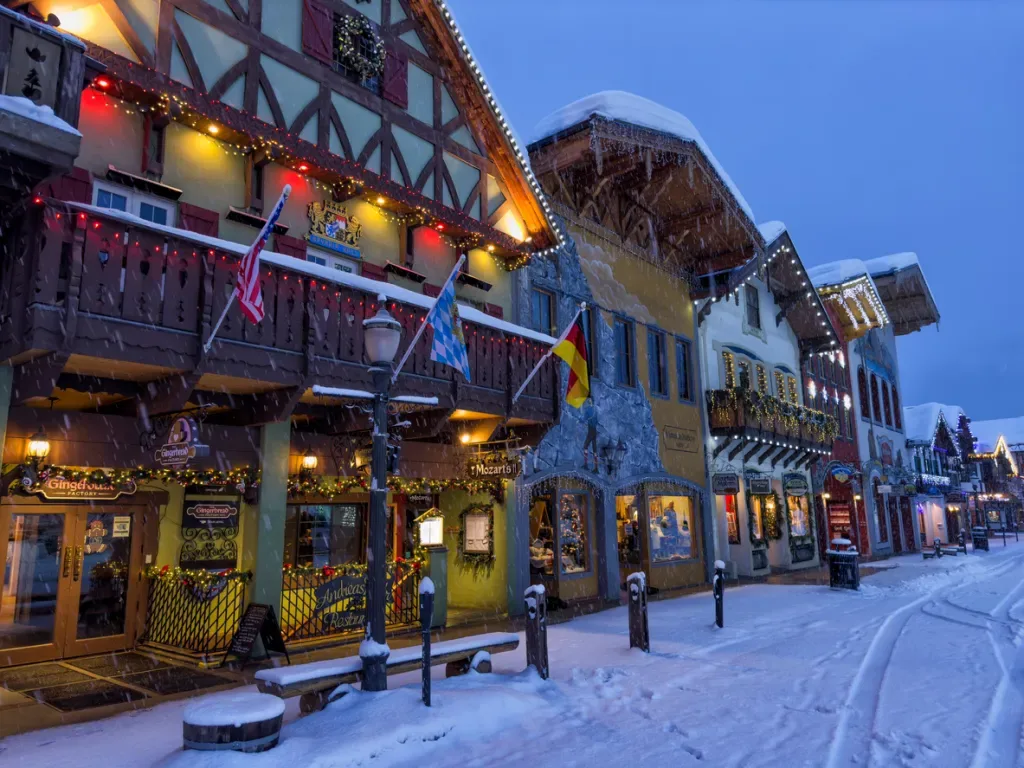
point(396, 78)
point(374, 272)
point(494, 310)
point(73, 187)
point(290, 246)
point(317, 31)
point(199, 220)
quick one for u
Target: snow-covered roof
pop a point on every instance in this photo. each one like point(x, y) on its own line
point(635, 110)
point(988, 432)
point(322, 272)
point(883, 265)
point(770, 230)
point(836, 272)
point(23, 107)
point(41, 27)
point(921, 421)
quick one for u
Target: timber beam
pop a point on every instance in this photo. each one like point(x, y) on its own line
point(739, 447)
point(749, 454)
point(726, 441)
point(767, 452)
point(782, 455)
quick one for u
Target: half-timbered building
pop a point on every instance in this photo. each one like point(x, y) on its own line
point(238, 473)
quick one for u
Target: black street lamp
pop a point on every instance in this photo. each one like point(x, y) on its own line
point(381, 336)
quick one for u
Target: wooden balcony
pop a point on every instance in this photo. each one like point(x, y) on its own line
point(768, 430)
point(88, 289)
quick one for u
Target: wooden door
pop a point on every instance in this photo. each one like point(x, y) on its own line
point(907, 518)
point(70, 580)
point(35, 562)
point(107, 551)
point(894, 527)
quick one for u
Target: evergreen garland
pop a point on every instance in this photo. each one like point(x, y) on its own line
point(822, 427)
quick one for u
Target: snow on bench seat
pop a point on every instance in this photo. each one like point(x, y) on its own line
point(283, 678)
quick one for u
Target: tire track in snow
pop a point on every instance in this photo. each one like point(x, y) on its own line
point(854, 732)
point(999, 741)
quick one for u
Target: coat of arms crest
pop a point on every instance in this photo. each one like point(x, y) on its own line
point(332, 227)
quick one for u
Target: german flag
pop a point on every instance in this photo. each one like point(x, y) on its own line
point(572, 347)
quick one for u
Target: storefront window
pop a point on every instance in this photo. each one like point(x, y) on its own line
point(325, 534)
point(627, 524)
point(542, 537)
point(764, 519)
point(798, 515)
point(880, 514)
point(573, 522)
point(732, 519)
point(671, 528)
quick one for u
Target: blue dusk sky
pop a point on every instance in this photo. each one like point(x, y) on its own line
point(870, 127)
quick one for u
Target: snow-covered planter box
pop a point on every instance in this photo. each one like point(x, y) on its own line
point(243, 721)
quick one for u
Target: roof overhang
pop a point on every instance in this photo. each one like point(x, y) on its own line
point(699, 224)
point(907, 298)
point(797, 301)
point(857, 304)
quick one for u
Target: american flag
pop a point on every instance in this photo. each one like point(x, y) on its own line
point(247, 283)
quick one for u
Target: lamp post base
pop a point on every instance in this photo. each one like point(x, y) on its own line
point(375, 673)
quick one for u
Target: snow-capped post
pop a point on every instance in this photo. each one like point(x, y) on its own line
point(537, 629)
point(961, 541)
point(639, 631)
point(719, 591)
point(426, 614)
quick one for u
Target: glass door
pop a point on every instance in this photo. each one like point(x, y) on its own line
point(69, 585)
point(36, 561)
point(104, 579)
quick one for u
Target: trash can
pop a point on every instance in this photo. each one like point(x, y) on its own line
point(979, 537)
point(843, 569)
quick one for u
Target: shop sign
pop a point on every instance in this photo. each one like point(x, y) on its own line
point(885, 489)
point(841, 473)
point(340, 604)
point(795, 485)
point(331, 227)
point(58, 488)
point(209, 530)
point(495, 466)
point(759, 486)
point(680, 439)
point(182, 444)
point(954, 496)
point(725, 483)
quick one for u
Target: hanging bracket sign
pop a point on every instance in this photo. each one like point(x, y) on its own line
point(725, 483)
point(182, 444)
point(795, 485)
point(495, 466)
point(759, 486)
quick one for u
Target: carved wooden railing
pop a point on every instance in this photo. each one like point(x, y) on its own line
point(93, 267)
point(735, 411)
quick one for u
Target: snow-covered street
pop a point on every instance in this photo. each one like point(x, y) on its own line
point(923, 667)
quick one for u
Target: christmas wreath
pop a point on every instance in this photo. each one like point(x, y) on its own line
point(477, 561)
point(359, 46)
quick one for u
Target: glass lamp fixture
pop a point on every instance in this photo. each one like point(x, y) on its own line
point(309, 462)
point(38, 447)
point(382, 334)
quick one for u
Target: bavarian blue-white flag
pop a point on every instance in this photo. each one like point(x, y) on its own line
point(449, 345)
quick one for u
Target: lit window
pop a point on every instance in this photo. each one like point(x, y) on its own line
point(812, 389)
point(671, 528)
point(573, 532)
point(847, 403)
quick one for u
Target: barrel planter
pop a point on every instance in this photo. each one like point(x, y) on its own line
point(242, 721)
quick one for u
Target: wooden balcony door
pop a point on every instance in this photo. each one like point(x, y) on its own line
point(69, 580)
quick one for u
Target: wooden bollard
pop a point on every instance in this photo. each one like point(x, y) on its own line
point(537, 629)
point(639, 631)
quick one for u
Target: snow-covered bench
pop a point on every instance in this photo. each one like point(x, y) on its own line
point(315, 681)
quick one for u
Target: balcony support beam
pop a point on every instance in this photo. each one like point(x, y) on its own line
point(749, 454)
point(739, 447)
point(783, 454)
point(726, 442)
point(767, 452)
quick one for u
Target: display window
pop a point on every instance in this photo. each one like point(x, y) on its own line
point(573, 532)
point(799, 516)
point(732, 519)
point(542, 537)
point(627, 525)
point(671, 528)
point(320, 535)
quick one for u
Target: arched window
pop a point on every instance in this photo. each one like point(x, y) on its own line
point(862, 385)
point(881, 512)
point(897, 414)
point(876, 407)
point(886, 404)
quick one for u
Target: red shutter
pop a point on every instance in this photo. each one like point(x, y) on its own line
point(199, 220)
point(374, 272)
point(494, 310)
point(73, 187)
point(290, 246)
point(317, 31)
point(431, 290)
point(395, 87)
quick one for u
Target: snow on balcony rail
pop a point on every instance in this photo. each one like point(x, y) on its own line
point(359, 394)
point(356, 282)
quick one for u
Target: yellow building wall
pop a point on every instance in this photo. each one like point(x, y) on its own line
point(470, 587)
point(625, 284)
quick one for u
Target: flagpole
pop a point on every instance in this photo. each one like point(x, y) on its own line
point(264, 234)
point(423, 325)
point(559, 340)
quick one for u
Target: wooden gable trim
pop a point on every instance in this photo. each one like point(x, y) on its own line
point(239, 69)
point(127, 31)
point(191, 65)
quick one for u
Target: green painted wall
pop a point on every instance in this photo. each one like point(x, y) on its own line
point(469, 588)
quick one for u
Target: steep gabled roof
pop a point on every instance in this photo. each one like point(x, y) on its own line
point(901, 283)
point(847, 288)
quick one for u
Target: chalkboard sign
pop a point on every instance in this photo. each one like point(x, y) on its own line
point(259, 620)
